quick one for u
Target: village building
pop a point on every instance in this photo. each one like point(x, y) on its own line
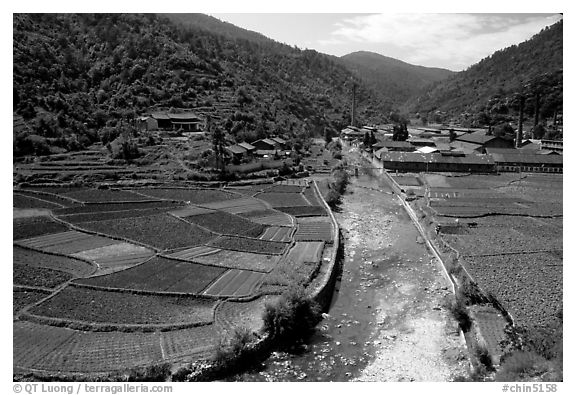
point(454, 162)
point(479, 141)
point(184, 122)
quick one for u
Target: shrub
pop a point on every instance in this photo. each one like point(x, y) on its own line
point(458, 310)
point(292, 318)
point(153, 373)
point(234, 352)
point(521, 365)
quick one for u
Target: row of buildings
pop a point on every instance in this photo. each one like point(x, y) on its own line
point(459, 150)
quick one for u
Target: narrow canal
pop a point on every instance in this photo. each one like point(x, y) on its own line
point(387, 321)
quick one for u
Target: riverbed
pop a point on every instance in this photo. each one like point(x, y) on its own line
point(388, 320)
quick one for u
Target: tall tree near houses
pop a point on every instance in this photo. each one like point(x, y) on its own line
point(217, 143)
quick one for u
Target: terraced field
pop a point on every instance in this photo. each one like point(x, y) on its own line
point(120, 278)
point(509, 238)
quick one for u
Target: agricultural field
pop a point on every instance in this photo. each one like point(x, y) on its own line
point(529, 286)
point(34, 276)
point(227, 224)
point(159, 275)
point(161, 231)
point(231, 259)
point(234, 283)
point(66, 243)
point(248, 314)
point(191, 196)
point(277, 233)
point(245, 244)
point(268, 217)
point(509, 236)
point(117, 206)
point(22, 298)
point(304, 211)
point(31, 258)
point(25, 228)
point(104, 195)
point(101, 306)
point(314, 231)
point(279, 199)
point(152, 258)
point(23, 202)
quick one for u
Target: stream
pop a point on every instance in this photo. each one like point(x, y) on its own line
point(387, 320)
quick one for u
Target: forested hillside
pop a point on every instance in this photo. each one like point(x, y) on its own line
point(84, 78)
point(393, 80)
point(493, 85)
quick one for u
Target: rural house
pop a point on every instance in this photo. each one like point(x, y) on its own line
point(479, 141)
point(186, 122)
point(266, 144)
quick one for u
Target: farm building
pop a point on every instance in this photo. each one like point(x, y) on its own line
point(188, 122)
point(281, 142)
point(351, 133)
point(421, 142)
point(236, 151)
point(413, 161)
point(248, 147)
point(553, 145)
point(266, 144)
point(528, 162)
point(479, 141)
point(394, 146)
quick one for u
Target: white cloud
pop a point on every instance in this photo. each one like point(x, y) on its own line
point(455, 41)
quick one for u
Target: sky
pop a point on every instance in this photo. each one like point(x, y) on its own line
point(451, 41)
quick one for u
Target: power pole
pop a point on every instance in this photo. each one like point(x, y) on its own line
point(520, 121)
point(353, 103)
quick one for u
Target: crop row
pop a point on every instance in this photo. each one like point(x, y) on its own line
point(225, 223)
point(314, 231)
point(161, 231)
point(67, 243)
point(529, 286)
point(161, 275)
point(101, 306)
point(234, 283)
point(237, 206)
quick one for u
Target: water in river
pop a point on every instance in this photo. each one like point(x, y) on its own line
point(387, 321)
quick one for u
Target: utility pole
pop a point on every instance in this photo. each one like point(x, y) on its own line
point(353, 103)
point(520, 121)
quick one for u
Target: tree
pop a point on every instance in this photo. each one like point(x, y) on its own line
point(327, 136)
point(373, 139)
point(400, 132)
point(217, 143)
